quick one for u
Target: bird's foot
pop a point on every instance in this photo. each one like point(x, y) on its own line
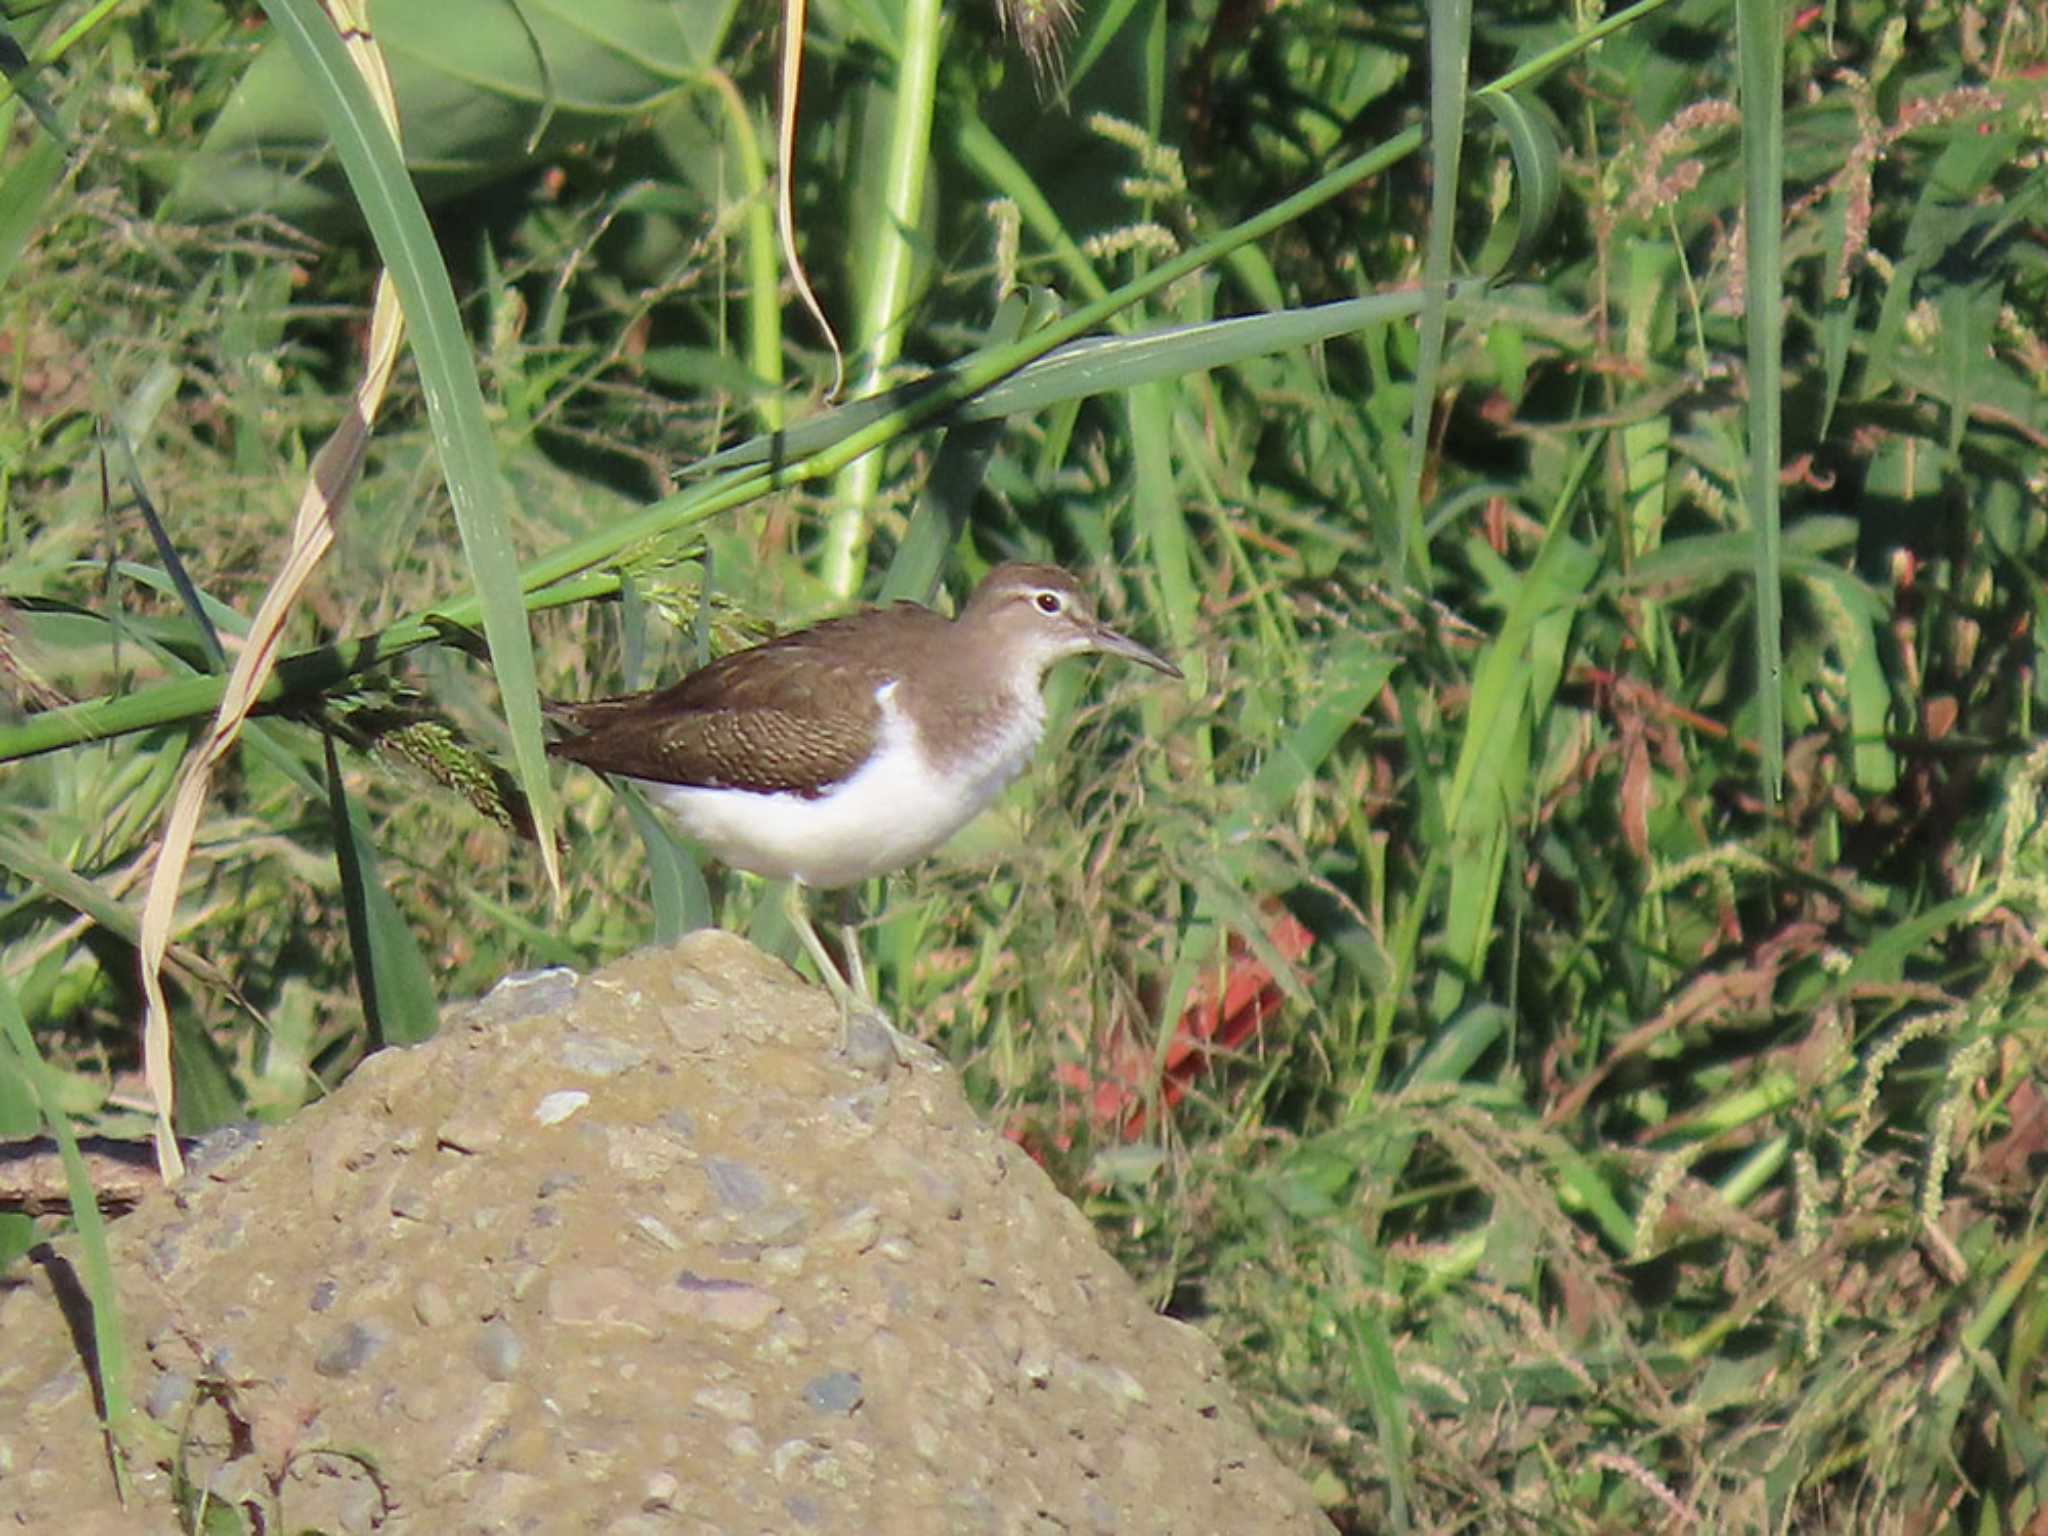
point(870, 1041)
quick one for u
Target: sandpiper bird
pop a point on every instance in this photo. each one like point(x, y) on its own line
point(853, 748)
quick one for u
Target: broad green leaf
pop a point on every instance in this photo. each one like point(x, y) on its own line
point(483, 87)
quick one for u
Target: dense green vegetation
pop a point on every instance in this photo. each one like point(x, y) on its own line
point(1604, 801)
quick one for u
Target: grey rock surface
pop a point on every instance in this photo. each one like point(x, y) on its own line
point(649, 1258)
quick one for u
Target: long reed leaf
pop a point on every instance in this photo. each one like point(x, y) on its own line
point(1450, 49)
point(1760, 45)
point(891, 258)
point(455, 406)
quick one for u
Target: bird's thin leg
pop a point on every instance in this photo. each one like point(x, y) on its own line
point(851, 1002)
point(798, 912)
point(849, 940)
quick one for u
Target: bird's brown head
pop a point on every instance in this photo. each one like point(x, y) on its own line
point(1041, 615)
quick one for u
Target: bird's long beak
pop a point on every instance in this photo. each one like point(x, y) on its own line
point(1110, 643)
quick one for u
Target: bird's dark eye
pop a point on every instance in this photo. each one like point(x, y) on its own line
point(1050, 603)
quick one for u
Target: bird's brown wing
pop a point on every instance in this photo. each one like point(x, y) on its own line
point(779, 717)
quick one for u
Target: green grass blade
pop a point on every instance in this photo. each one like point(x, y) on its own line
point(1378, 1380)
point(447, 366)
point(21, 72)
point(1510, 691)
point(115, 443)
point(1760, 43)
point(1535, 67)
point(1161, 525)
point(1582, 1188)
point(1095, 365)
point(1455, 1050)
point(763, 264)
point(943, 511)
point(20, 1117)
point(209, 1095)
point(1539, 174)
point(53, 879)
point(1107, 20)
point(892, 257)
point(32, 174)
point(303, 676)
point(109, 1345)
point(543, 942)
point(392, 977)
point(1351, 678)
point(985, 154)
point(1450, 49)
point(1855, 619)
point(682, 901)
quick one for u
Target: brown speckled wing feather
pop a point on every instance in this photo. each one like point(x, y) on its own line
point(757, 749)
point(797, 714)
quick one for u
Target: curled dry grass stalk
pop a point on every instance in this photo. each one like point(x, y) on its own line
point(333, 473)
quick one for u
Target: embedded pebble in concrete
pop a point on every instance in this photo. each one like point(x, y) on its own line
point(737, 1186)
point(349, 1349)
point(634, 1253)
point(834, 1392)
point(496, 1351)
point(600, 1056)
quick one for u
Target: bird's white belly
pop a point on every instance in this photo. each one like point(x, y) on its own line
point(891, 813)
